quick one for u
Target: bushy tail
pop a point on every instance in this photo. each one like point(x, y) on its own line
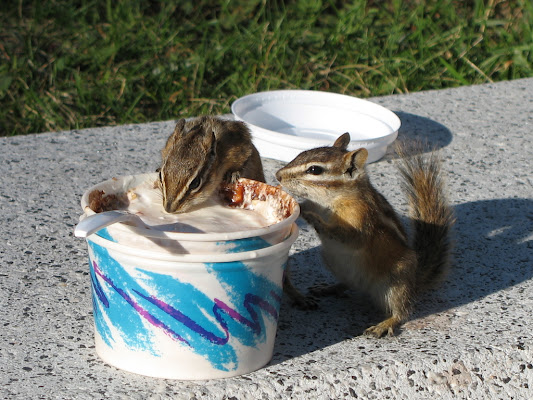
point(431, 215)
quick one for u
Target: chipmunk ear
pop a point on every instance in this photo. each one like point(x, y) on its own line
point(355, 161)
point(213, 144)
point(178, 129)
point(342, 141)
point(178, 132)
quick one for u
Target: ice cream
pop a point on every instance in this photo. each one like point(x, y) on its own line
point(238, 207)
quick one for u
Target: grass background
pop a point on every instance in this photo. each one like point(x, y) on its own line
point(72, 64)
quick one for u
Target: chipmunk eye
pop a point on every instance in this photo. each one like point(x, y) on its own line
point(195, 184)
point(314, 170)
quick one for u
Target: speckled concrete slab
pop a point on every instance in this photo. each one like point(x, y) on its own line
point(472, 338)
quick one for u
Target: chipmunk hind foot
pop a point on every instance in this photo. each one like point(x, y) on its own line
point(325, 289)
point(384, 328)
point(298, 299)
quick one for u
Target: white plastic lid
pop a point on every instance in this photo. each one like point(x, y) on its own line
point(286, 122)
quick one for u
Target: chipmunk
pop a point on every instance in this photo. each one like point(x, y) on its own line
point(363, 241)
point(200, 155)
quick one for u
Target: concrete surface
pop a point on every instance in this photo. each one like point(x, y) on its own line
point(472, 338)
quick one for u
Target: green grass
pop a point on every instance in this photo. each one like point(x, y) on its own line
point(74, 64)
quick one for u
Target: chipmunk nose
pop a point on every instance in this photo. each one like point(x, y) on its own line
point(168, 207)
point(278, 176)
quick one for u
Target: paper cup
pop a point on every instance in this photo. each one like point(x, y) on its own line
point(186, 316)
point(189, 305)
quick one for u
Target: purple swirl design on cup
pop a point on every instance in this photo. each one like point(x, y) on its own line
point(125, 297)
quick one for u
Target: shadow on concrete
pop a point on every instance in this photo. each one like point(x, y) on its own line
point(493, 252)
point(414, 128)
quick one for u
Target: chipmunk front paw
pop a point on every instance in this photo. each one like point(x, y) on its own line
point(232, 177)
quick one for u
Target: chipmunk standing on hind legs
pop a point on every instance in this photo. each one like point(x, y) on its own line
point(363, 241)
point(202, 154)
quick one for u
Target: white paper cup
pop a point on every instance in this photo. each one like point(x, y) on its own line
point(200, 314)
point(186, 316)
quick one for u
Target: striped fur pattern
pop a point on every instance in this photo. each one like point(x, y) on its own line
point(363, 241)
point(202, 153)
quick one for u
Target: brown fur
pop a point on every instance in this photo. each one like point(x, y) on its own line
point(217, 151)
point(210, 148)
point(363, 241)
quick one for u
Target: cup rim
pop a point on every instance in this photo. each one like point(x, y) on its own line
point(156, 257)
point(188, 236)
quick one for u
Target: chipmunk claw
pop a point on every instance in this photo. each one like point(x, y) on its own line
point(298, 299)
point(305, 303)
point(379, 332)
point(325, 289)
point(384, 328)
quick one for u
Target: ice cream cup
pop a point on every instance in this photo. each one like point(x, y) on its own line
point(186, 316)
point(191, 243)
point(191, 313)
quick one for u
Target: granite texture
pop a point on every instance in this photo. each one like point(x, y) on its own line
point(471, 338)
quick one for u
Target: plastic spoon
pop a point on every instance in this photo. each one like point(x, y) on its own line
point(95, 222)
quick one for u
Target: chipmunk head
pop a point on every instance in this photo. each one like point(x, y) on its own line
point(314, 173)
point(187, 168)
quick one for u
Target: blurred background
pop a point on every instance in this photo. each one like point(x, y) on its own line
point(70, 64)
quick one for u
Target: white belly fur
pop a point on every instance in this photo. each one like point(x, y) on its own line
point(345, 263)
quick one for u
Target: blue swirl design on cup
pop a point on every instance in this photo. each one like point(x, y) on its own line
point(136, 302)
